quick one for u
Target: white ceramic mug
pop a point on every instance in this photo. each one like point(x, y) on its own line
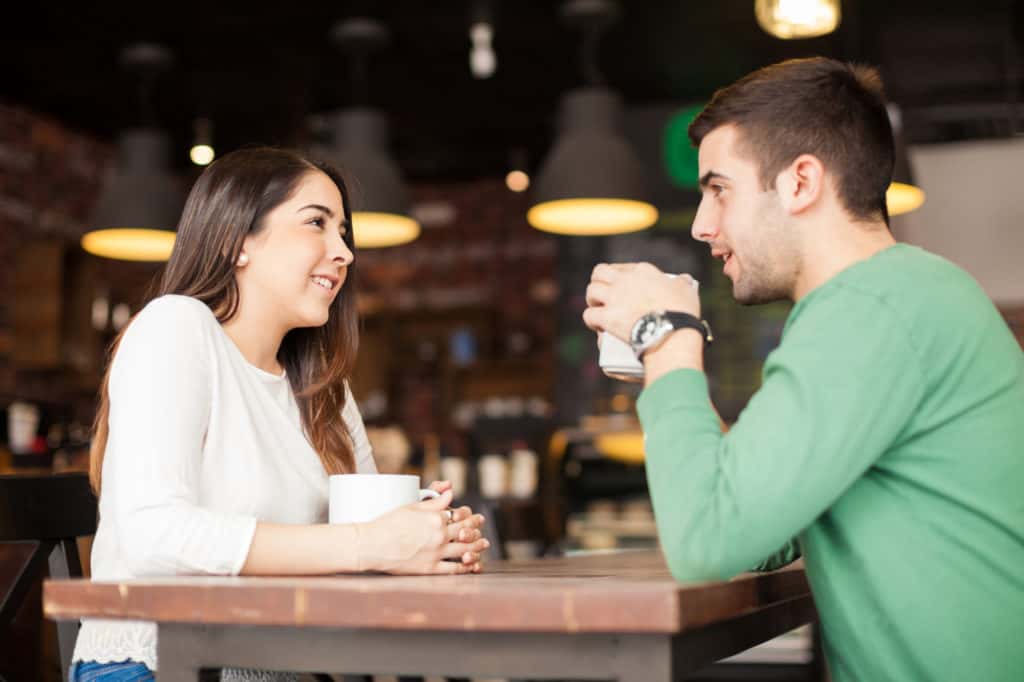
point(357, 498)
point(454, 469)
point(522, 479)
point(22, 423)
point(493, 470)
point(617, 359)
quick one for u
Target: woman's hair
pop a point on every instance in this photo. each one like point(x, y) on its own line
point(229, 202)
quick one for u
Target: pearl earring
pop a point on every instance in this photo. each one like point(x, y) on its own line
point(243, 259)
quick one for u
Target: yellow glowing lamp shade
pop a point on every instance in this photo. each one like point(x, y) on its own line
point(790, 19)
point(202, 154)
point(623, 446)
point(592, 217)
point(903, 198)
point(129, 243)
point(373, 230)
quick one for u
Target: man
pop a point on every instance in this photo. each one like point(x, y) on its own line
point(887, 440)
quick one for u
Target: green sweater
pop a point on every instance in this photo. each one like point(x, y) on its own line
point(886, 443)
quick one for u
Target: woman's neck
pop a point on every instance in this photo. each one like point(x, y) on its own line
point(259, 340)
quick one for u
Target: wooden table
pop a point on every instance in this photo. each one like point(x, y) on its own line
point(618, 616)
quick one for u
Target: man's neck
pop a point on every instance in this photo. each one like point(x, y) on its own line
point(837, 245)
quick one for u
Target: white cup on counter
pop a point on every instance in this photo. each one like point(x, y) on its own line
point(22, 424)
point(454, 469)
point(522, 473)
point(493, 472)
point(358, 498)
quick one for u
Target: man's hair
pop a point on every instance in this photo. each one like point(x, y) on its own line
point(830, 109)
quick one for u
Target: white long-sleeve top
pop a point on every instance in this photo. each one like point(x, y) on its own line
point(202, 445)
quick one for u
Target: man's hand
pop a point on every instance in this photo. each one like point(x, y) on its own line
point(619, 294)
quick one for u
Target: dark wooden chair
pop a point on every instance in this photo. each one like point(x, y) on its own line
point(40, 518)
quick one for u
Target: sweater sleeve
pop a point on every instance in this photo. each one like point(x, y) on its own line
point(160, 393)
point(785, 556)
point(836, 394)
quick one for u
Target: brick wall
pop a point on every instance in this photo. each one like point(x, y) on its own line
point(49, 180)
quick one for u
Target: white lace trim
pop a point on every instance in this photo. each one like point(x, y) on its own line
point(112, 641)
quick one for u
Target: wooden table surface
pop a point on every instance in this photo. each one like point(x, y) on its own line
point(621, 592)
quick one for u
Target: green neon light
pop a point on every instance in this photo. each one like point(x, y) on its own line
point(678, 155)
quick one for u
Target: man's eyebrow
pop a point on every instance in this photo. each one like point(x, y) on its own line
point(329, 212)
point(706, 179)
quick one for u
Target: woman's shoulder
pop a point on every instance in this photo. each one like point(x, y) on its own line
point(171, 318)
point(177, 310)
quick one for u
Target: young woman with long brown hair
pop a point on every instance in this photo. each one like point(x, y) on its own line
point(226, 406)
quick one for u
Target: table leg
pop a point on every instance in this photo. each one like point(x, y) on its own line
point(180, 651)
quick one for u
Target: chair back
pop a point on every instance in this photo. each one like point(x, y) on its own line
point(40, 517)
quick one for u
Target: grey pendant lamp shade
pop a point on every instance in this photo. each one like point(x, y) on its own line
point(141, 202)
point(591, 182)
point(380, 202)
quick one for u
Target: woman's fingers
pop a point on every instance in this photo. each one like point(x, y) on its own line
point(466, 552)
point(454, 530)
point(441, 486)
point(461, 514)
point(453, 568)
point(468, 535)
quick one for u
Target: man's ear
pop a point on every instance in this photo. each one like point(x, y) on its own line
point(801, 184)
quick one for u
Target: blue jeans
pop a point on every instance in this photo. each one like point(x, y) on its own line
point(125, 671)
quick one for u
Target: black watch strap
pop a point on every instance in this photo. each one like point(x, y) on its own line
point(686, 320)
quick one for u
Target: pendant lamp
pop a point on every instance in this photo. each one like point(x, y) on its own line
point(592, 182)
point(903, 196)
point(380, 202)
point(140, 203)
point(791, 19)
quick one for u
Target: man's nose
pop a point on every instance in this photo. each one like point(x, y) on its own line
point(704, 229)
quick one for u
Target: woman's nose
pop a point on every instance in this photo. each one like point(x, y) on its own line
point(342, 254)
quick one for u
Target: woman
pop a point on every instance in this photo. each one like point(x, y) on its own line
point(225, 408)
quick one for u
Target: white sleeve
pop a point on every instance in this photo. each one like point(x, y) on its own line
point(361, 449)
point(160, 394)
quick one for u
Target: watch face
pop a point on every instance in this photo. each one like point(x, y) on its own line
point(647, 330)
point(649, 325)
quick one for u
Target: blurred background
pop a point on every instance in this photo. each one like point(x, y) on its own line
point(460, 123)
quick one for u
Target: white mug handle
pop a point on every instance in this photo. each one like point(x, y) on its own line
point(427, 494)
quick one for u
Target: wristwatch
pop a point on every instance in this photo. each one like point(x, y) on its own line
point(653, 328)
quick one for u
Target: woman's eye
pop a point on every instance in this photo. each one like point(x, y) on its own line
point(319, 222)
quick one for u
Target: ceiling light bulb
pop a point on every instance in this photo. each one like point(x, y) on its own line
point(789, 19)
point(517, 181)
point(482, 60)
point(201, 154)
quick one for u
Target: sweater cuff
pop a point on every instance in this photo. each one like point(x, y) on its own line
point(246, 533)
point(679, 390)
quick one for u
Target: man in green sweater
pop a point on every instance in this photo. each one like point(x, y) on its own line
point(886, 443)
